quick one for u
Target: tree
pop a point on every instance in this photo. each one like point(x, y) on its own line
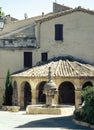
point(1, 12)
point(8, 90)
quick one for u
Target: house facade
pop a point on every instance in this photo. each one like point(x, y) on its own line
point(27, 42)
point(17, 42)
point(75, 29)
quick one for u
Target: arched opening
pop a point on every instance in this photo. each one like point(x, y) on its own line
point(87, 84)
point(15, 94)
point(41, 95)
point(27, 94)
point(66, 93)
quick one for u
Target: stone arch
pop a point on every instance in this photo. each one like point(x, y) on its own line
point(26, 94)
point(15, 94)
point(66, 93)
point(41, 96)
point(87, 84)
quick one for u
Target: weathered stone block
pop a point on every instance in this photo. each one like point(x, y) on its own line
point(15, 108)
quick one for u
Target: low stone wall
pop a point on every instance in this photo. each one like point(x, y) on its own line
point(11, 108)
point(41, 110)
point(33, 109)
point(83, 123)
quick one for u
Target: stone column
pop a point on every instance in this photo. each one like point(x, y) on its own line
point(19, 96)
point(34, 96)
point(78, 98)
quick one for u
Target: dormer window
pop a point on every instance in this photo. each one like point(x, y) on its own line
point(58, 32)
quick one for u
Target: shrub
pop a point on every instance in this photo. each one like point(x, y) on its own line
point(88, 109)
point(8, 90)
point(77, 115)
point(86, 113)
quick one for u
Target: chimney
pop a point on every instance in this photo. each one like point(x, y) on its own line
point(7, 19)
point(42, 14)
point(58, 8)
point(25, 16)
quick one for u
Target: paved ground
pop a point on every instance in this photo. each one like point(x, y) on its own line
point(21, 121)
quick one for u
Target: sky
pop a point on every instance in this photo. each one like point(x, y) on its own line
point(17, 8)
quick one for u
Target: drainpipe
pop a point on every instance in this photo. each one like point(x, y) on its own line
point(38, 34)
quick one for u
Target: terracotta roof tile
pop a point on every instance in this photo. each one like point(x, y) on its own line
point(61, 68)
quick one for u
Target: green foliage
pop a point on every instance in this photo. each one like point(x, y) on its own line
point(8, 90)
point(86, 113)
point(1, 12)
point(77, 115)
point(88, 109)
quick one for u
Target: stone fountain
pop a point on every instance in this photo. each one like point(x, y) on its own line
point(49, 108)
point(50, 90)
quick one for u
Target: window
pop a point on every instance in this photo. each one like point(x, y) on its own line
point(58, 31)
point(27, 59)
point(8, 41)
point(44, 56)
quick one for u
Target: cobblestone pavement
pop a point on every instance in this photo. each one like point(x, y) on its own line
point(22, 121)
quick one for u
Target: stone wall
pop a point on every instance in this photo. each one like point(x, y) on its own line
point(77, 36)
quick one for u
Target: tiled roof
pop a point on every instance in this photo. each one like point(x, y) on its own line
point(56, 15)
point(12, 27)
point(19, 25)
point(61, 68)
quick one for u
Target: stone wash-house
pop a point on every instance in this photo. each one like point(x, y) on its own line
point(25, 43)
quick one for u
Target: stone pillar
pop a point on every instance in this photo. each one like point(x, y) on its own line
point(78, 98)
point(34, 96)
point(19, 96)
point(56, 98)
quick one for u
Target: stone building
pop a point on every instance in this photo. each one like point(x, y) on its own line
point(27, 42)
point(70, 78)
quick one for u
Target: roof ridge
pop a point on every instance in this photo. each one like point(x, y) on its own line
point(65, 68)
point(84, 65)
point(73, 67)
point(57, 67)
point(58, 14)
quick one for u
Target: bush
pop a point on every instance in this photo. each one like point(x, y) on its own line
point(86, 113)
point(77, 115)
point(88, 109)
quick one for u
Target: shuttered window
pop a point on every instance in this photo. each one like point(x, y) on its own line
point(58, 31)
point(27, 59)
